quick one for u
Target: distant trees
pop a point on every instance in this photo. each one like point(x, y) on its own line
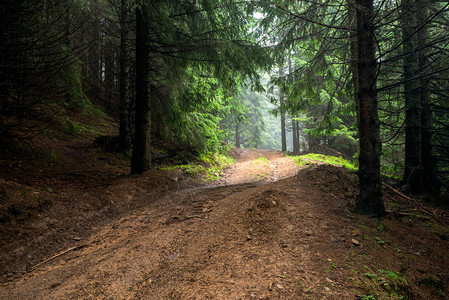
point(419, 166)
point(243, 117)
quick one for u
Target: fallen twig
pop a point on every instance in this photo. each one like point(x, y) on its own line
point(57, 255)
point(191, 217)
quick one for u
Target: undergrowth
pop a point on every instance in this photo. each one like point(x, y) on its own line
point(313, 158)
point(208, 166)
point(382, 284)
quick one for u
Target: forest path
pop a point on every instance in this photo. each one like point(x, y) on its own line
point(236, 239)
point(253, 165)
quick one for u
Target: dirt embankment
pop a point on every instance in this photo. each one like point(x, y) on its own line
point(264, 231)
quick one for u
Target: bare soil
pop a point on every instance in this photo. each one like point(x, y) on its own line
point(265, 230)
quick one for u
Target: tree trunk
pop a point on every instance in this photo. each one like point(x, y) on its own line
point(282, 111)
point(141, 156)
point(123, 81)
point(295, 137)
point(412, 171)
point(298, 137)
point(369, 200)
point(237, 135)
point(283, 134)
point(430, 181)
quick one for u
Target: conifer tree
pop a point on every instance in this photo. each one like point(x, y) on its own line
point(141, 156)
point(369, 200)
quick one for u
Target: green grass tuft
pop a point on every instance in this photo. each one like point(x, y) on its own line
point(313, 158)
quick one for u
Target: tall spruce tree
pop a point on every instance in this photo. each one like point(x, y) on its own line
point(413, 154)
point(141, 156)
point(369, 200)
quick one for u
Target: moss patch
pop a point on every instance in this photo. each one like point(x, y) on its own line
point(314, 159)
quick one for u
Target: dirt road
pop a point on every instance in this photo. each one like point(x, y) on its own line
point(261, 166)
point(238, 239)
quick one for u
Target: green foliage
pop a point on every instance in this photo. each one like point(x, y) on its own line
point(209, 167)
point(379, 241)
point(383, 284)
point(380, 226)
point(202, 51)
point(192, 114)
point(314, 74)
point(205, 133)
point(312, 158)
point(368, 297)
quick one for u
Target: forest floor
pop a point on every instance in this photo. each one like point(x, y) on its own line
point(265, 230)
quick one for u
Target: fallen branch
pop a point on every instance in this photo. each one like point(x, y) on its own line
point(57, 255)
point(420, 206)
point(399, 193)
point(401, 213)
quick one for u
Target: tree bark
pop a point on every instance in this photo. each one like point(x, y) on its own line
point(369, 200)
point(295, 137)
point(298, 137)
point(141, 156)
point(428, 162)
point(413, 161)
point(282, 112)
point(283, 134)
